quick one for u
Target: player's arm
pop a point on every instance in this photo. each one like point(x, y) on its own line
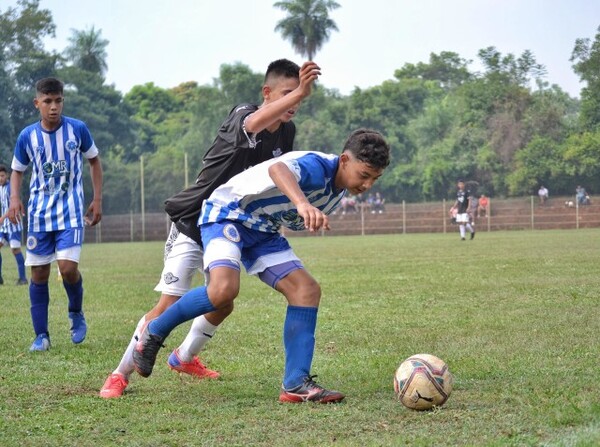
point(93, 214)
point(285, 180)
point(268, 114)
point(16, 210)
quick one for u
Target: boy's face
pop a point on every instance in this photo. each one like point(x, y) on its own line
point(276, 89)
point(461, 185)
point(354, 175)
point(50, 106)
point(3, 178)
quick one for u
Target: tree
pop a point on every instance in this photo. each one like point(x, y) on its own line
point(307, 25)
point(586, 58)
point(87, 50)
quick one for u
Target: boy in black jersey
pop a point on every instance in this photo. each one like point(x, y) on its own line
point(461, 206)
point(249, 135)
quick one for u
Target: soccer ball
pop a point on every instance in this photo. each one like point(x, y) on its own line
point(422, 382)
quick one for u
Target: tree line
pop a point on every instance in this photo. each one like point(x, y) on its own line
point(503, 129)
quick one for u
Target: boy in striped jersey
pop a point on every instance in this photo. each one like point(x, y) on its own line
point(10, 234)
point(240, 224)
point(55, 147)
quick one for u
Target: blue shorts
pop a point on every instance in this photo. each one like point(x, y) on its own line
point(232, 242)
point(43, 247)
point(11, 238)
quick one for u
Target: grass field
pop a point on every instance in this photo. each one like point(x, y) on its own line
point(516, 316)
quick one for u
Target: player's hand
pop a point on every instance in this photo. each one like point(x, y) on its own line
point(16, 211)
point(314, 218)
point(309, 73)
point(93, 214)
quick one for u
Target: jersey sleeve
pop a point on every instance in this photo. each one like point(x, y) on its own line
point(311, 170)
point(21, 158)
point(88, 147)
point(233, 130)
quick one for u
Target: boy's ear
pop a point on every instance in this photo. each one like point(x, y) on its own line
point(266, 92)
point(35, 103)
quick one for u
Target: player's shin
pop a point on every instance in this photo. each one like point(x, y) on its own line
point(299, 342)
point(191, 305)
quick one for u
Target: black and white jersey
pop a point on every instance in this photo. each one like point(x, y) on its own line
point(233, 151)
point(462, 198)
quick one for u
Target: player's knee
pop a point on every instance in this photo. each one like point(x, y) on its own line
point(222, 295)
point(307, 293)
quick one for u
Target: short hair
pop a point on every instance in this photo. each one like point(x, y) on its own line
point(47, 86)
point(282, 68)
point(3, 168)
point(369, 146)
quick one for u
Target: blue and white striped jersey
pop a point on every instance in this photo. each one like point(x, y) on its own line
point(252, 199)
point(56, 186)
point(7, 226)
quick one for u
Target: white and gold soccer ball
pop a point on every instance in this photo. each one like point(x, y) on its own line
point(423, 381)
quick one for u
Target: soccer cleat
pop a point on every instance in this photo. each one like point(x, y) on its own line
point(472, 235)
point(310, 391)
point(1, 280)
point(145, 351)
point(194, 368)
point(114, 386)
point(78, 327)
point(41, 343)
point(22, 282)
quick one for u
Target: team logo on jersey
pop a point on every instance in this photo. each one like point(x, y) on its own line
point(71, 145)
point(170, 278)
point(64, 187)
point(293, 220)
point(231, 233)
point(55, 168)
point(277, 152)
point(31, 242)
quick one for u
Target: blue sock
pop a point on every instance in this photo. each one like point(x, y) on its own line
point(20, 265)
point(40, 299)
point(299, 342)
point(75, 294)
point(189, 306)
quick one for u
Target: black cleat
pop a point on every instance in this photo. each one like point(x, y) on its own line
point(145, 351)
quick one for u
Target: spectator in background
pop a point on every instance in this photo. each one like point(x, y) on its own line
point(473, 206)
point(582, 196)
point(482, 206)
point(348, 204)
point(543, 194)
point(378, 205)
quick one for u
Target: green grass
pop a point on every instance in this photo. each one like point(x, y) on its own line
point(514, 314)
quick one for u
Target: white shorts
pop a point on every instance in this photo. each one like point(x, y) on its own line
point(68, 254)
point(462, 218)
point(183, 259)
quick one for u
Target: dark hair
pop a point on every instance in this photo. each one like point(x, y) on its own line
point(370, 147)
point(3, 168)
point(49, 86)
point(282, 68)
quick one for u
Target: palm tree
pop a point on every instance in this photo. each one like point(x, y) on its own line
point(87, 50)
point(307, 25)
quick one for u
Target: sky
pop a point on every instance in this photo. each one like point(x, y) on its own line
point(171, 42)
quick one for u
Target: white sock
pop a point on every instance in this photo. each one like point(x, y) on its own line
point(126, 366)
point(470, 228)
point(199, 334)
point(462, 231)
